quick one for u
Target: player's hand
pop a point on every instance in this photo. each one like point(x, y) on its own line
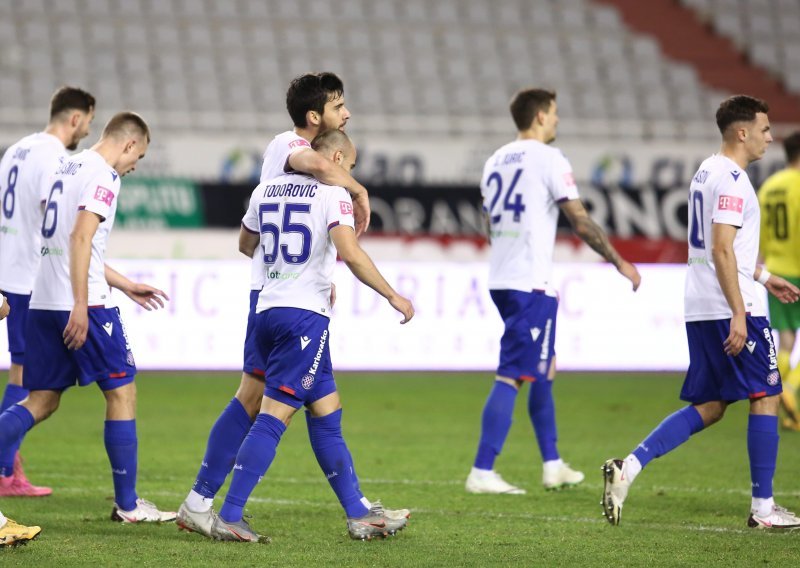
point(782, 289)
point(77, 328)
point(146, 296)
point(361, 212)
point(404, 306)
point(630, 272)
point(5, 309)
point(333, 294)
point(735, 342)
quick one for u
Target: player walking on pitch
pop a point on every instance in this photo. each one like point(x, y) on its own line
point(301, 225)
point(524, 185)
point(731, 352)
point(24, 172)
point(74, 333)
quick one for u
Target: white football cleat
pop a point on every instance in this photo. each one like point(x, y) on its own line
point(778, 519)
point(145, 512)
point(615, 489)
point(564, 476)
point(195, 521)
point(489, 481)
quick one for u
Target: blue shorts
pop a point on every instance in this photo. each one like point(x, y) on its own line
point(105, 358)
point(295, 345)
point(528, 344)
point(713, 375)
point(16, 325)
point(253, 362)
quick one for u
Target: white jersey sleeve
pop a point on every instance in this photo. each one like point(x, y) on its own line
point(98, 194)
point(339, 208)
point(727, 203)
point(562, 182)
point(250, 219)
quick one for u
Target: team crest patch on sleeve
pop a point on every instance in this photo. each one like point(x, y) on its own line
point(731, 203)
point(346, 208)
point(104, 195)
point(299, 143)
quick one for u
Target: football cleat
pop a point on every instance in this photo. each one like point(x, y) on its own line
point(489, 481)
point(194, 521)
point(778, 519)
point(145, 512)
point(615, 490)
point(239, 531)
point(564, 476)
point(394, 514)
point(375, 524)
point(15, 534)
point(17, 484)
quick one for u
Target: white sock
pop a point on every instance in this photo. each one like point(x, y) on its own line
point(198, 503)
point(632, 467)
point(552, 466)
point(481, 472)
point(762, 507)
point(366, 503)
point(2, 521)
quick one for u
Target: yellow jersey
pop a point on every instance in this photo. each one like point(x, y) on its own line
point(779, 198)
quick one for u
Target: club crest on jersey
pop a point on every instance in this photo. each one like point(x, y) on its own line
point(307, 382)
point(730, 203)
point(345, 208)
point(299, 143)
point(104, 195)
point(773, 378)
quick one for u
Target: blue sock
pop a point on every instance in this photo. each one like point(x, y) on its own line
point(14, 424)
point(762, 447)
point(224, 441)
point(542, 411)
point(12, 396)
point(336, 462)
point(122, 450)
point(673, 431)
point(311, 423)
point(495, 424)
point(252, 462)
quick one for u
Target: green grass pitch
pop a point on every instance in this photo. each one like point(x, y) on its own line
point(413, 438)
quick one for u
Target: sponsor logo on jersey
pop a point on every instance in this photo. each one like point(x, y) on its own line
point(545, 353)
point(736, 175)
point(52, 251)
point(318, 357)
point(275, 275)
point(104, 195)
point(307, 381)
point(535, 332)
point(569, 179)
point(345, 208)
point(8, 230)
point(730, 203)
point(109, 327)
point(299, 143)
point(304, 341)
point(114, 175)
point(751, 345)
point(773, 356)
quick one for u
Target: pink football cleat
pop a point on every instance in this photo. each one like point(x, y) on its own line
point(17, 485)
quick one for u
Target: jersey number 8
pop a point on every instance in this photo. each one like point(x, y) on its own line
point(9, 199)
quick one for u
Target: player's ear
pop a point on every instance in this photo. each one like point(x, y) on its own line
point(130, 146)
point(75, 119)
point(313, 118)
point(338, 157)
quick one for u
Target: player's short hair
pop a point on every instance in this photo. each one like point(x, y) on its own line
point(791, 145)
point(126, 123)
point(527, 103)
point(739, 108)
point(331, 140)
point(70, 98)
point(310, 92)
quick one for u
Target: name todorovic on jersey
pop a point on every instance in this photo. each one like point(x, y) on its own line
point(318, 357)
point(291, 190)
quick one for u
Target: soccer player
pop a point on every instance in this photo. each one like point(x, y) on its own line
point(524, 185)
point(315, 102)
point(74, 333)
point(24, 172)
point(731, 353)
point(779, 199)
point(301, 224)
point(11, 532)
